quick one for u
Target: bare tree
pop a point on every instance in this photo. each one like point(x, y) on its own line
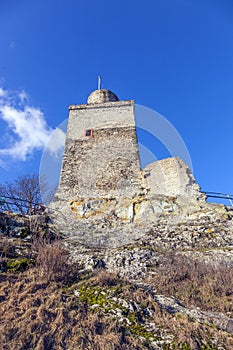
point(22, 195)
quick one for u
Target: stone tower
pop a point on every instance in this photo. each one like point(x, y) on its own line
point(101, 157)
point(104, 198)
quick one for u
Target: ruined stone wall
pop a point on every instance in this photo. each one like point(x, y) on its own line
point(172, 177)
point(106, 164)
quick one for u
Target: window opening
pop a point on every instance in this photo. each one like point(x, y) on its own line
point(88, 133)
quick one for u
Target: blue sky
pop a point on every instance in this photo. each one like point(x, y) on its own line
point(173, 56)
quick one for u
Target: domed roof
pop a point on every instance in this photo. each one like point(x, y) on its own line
point(102, 96)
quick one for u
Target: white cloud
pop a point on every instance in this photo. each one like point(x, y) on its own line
point(23, 96)
point(27, 130)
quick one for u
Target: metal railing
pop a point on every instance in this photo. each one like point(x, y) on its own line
point(219, 195)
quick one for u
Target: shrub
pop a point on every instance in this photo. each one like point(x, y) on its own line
point(52, 261)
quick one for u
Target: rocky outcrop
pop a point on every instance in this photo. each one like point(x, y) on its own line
point(171, 221)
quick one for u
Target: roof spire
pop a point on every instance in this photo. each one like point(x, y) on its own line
point(99, 82)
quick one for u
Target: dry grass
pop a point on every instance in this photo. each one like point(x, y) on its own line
point(192, 335)
point(42, 316)
point(39, 309)
point(208, 285)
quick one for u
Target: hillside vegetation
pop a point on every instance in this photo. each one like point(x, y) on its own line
point(49, 300)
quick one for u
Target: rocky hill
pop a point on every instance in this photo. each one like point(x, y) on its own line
point(167, 284)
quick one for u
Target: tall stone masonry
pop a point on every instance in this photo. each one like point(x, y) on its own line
point(104, 198)
point(101, 156)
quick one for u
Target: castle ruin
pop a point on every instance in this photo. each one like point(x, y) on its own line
point(101, 179)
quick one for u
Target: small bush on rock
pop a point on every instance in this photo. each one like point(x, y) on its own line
point(52, 262)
